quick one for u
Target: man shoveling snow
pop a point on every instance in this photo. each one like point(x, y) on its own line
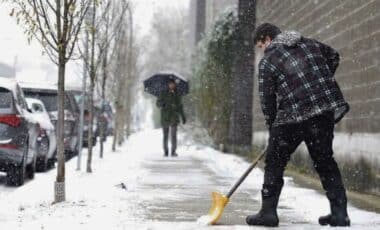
point(301, 101)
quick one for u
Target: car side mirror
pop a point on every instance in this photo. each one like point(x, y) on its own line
point(29, 110)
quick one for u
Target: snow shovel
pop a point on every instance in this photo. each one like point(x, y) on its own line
point(219, 201)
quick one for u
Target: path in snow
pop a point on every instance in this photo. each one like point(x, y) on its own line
point(162, 193)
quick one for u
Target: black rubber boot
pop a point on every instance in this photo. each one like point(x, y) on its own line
point(174, 154)
point(267, 216)
point(166, 153)
point(338, 206)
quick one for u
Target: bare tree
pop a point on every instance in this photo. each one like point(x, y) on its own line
point(113, 23)
point(120, 81)
point(103, 29)
point(56, 25)
point(123, 65)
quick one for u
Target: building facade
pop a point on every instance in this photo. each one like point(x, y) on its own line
point(353, 28)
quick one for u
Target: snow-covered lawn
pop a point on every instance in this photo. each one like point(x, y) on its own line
point(160, 194)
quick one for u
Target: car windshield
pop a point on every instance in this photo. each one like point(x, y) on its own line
point(5, 98)
point(49, 100)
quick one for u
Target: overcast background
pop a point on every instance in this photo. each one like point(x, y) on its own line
point(31, 65)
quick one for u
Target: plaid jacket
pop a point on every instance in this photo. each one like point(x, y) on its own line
point(296, 80)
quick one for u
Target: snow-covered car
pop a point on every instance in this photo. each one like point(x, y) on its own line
point(46, 140)
point(48, 94)
point(18, 134)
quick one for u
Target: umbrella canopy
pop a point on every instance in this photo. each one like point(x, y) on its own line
point(158, 83)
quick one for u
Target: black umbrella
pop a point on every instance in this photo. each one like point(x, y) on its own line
point(159, 83)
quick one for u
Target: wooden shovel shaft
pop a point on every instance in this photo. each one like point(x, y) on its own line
point(246, 173)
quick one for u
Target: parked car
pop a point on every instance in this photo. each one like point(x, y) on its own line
point(86, 118)
point(48, 94)
point(86, 127)
point(46, 139)
point(108, 115)
point(18, 134)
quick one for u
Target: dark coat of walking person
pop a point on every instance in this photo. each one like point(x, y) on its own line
point(301, 102)
point(170, 103)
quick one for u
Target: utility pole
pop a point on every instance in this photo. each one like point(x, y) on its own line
point(84, 81)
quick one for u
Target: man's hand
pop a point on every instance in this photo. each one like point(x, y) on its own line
point(184, 120)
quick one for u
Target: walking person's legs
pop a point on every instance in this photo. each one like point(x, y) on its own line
point(165, 130)
point(319, 140)
point(283, 141)
point(173, 133)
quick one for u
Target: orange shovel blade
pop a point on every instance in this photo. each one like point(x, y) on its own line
point(219, 201)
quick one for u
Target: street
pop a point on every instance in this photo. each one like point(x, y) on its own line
point(159, 193)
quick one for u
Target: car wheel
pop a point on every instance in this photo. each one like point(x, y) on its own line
point(31, 169)
point(16, 173)
point(76, 151)
point(51, 161)
point(42, 162)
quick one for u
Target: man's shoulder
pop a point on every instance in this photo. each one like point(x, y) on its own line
point(311, 42)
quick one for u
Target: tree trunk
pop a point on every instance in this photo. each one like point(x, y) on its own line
point(59, 188)
point(91, 125)
point(115, 132)
point(121, 127)
point(129, 80)
point(92, 87)
point(240, 131)
point(102, 121)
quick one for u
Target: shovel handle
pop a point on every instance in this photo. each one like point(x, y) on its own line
point(246, 173)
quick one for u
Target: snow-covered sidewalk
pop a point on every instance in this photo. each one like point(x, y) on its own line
point(161, 193)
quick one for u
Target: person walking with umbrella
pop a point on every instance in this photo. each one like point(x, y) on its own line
point(301, 102)
point(170, 103)
point(169, 89)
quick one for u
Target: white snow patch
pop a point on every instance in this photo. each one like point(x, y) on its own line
point(204, 220)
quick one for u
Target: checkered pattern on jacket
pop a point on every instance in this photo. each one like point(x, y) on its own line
point(297, 82)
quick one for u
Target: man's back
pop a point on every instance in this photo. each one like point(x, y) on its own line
point(297, 75)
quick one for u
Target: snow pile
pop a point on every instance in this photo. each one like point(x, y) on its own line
point(204, 220)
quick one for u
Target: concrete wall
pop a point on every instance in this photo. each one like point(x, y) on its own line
point(353, 28)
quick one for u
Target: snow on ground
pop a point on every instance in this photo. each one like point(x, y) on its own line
point(160, 193)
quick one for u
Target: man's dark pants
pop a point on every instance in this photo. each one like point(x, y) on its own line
point(173, 135)
point(318, 134)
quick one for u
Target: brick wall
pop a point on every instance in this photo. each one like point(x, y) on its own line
point(353, 28)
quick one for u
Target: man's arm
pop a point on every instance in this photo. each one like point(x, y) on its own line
point(267, 91)
point(331, 55)
point(181, 111)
